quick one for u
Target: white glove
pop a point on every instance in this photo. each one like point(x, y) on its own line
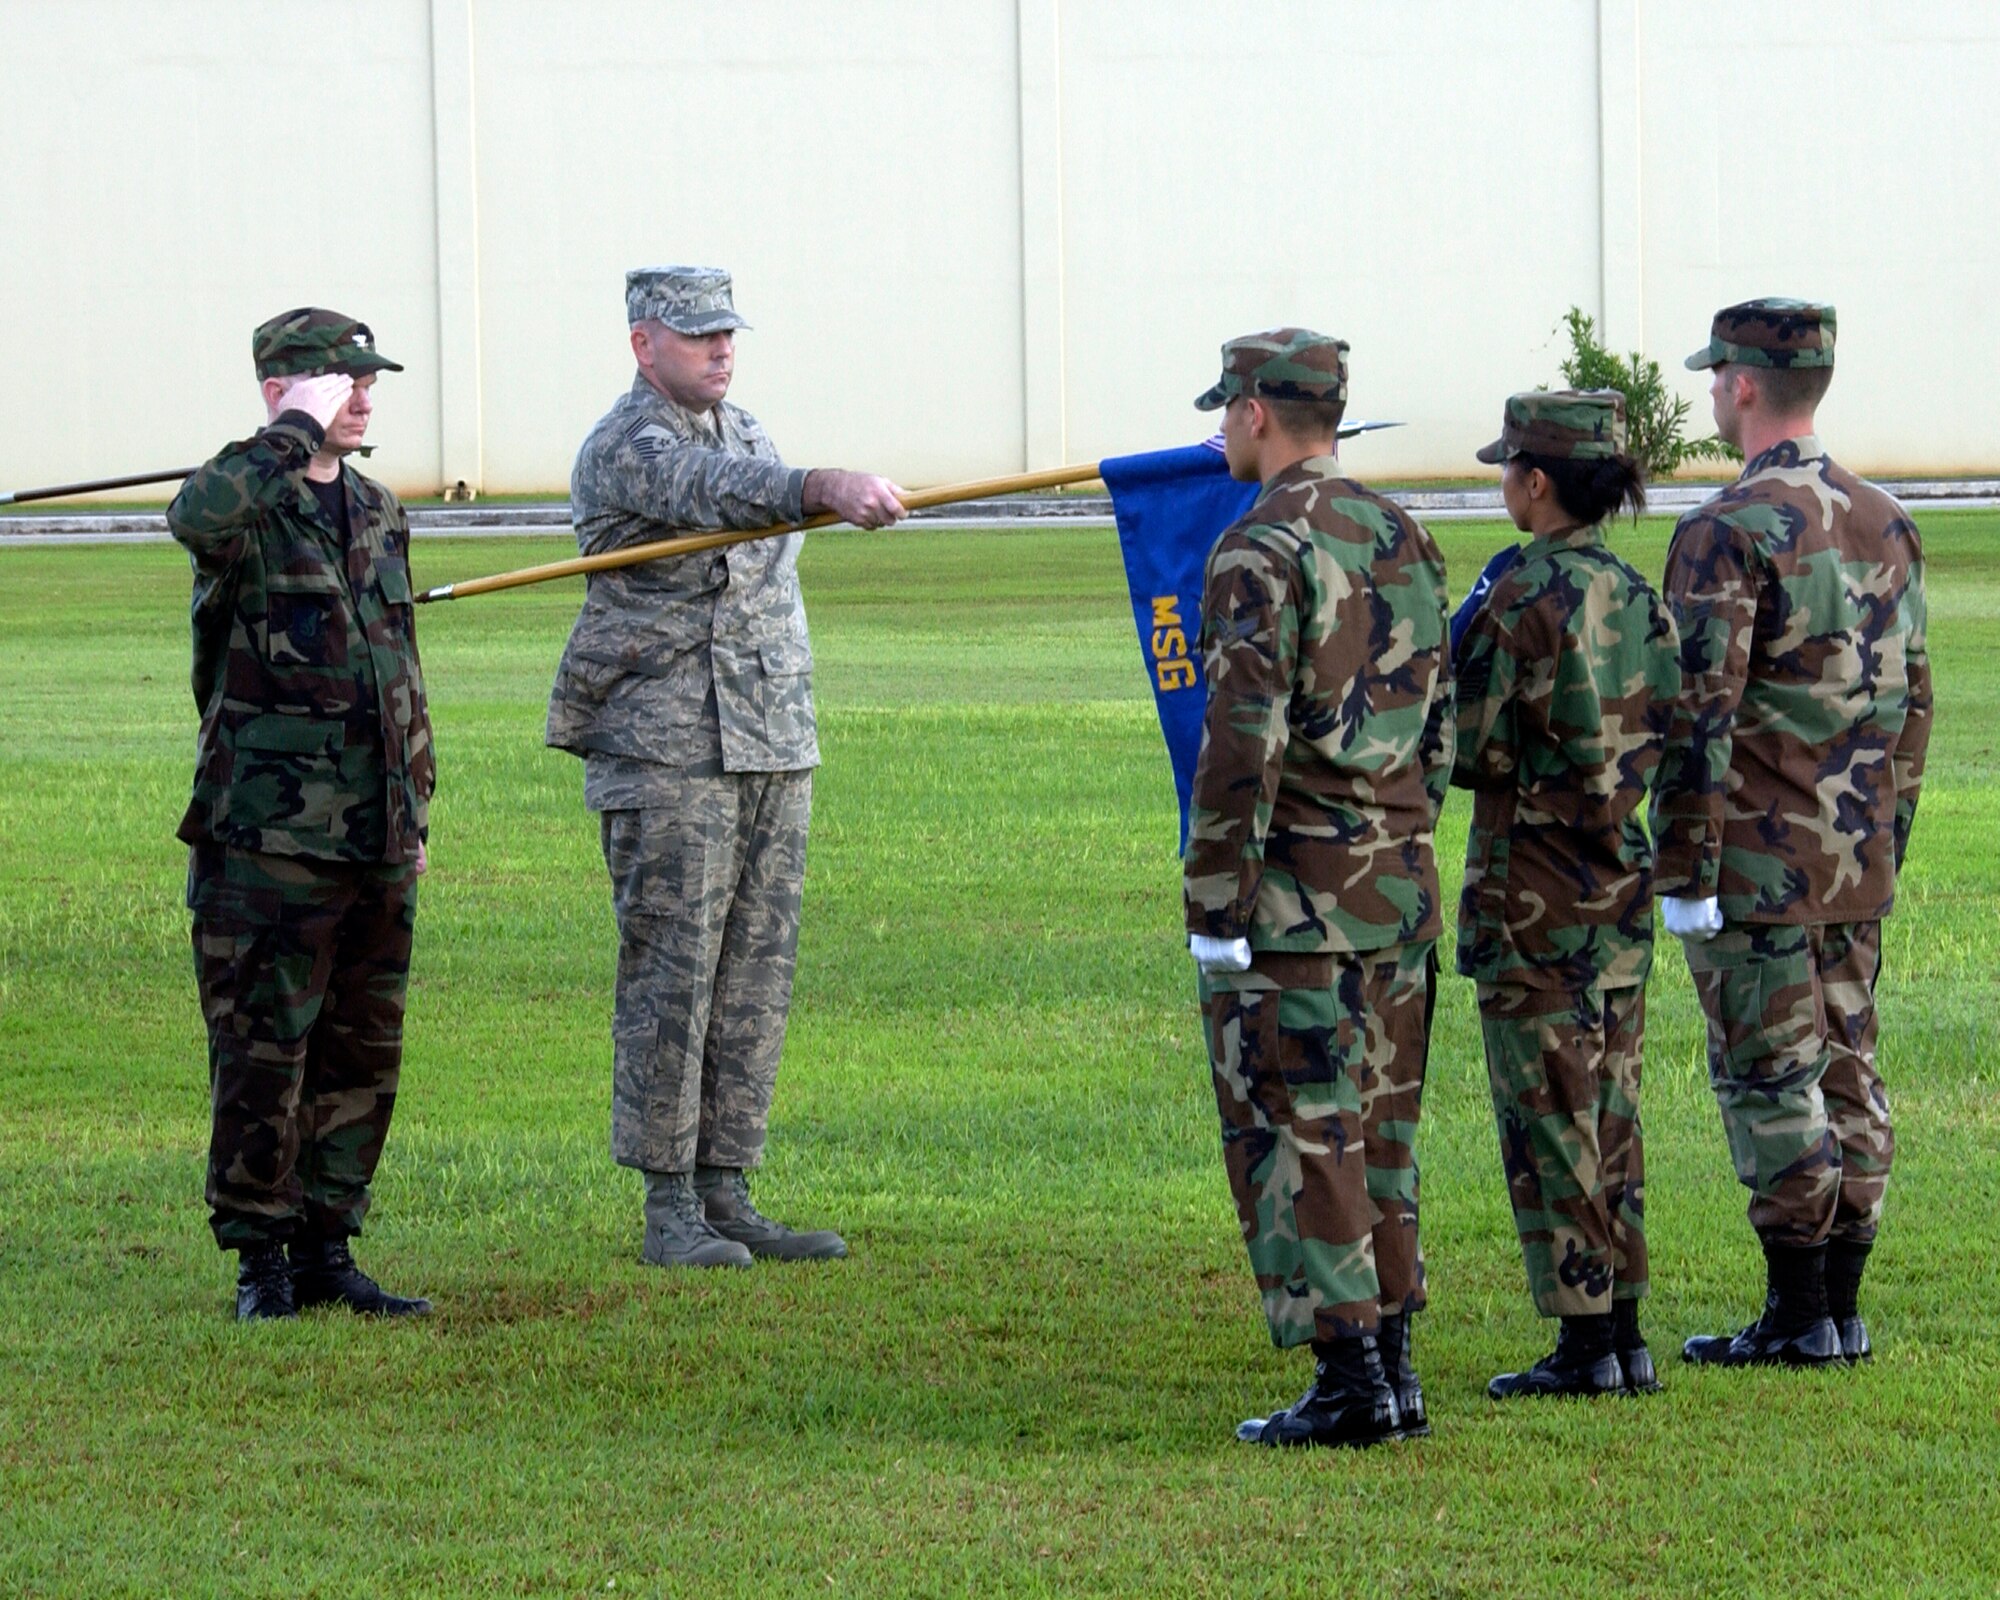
point(319, 397)
point(1219, 955)
point(1699, 920)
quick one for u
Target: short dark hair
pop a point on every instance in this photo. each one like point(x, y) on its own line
point(1307, 419)
point(1590, 491)
point(1793, 389)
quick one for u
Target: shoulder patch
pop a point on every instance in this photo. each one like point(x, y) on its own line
point(649, 441)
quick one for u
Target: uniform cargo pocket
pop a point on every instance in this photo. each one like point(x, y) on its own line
point(785, 657)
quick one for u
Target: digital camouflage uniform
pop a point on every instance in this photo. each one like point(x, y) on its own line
point(1325, 752)
point(1787, 792)
point(313, 777)
point(1566, 677)
point(686, 687)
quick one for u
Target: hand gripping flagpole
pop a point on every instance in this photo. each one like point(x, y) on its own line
point(633, 555)
point(916, 500)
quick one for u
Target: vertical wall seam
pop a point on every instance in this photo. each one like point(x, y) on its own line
point(1061, 242)
point(1044, 356)
point(1620, 182)
point(454, 144)
point(1603, 173)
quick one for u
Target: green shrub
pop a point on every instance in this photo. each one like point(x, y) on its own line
point(1655, 417)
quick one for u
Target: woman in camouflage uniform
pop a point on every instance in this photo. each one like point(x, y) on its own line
point(1567, 672)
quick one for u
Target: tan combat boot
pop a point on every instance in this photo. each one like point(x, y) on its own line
point(725, 1198)
point(677, 1235)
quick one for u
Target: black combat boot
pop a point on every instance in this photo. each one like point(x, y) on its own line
point(1582, 1363)
point(1350, 1402)
point(1635, 1361)
point(725, 1202)
point(324, 1274)
point(263, 1284)
point(1393, 1340)
point(1794, 1330)
point(1846, 1260)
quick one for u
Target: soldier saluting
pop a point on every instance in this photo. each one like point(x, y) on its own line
point(306, 831)
point(686, 687)
point(1783, 811)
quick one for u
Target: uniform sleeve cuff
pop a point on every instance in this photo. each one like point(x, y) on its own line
point(794, 506)
point(301, 422)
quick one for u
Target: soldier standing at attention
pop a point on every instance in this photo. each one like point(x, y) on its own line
point(1566, 674)
point(313, 777)
point(686, 688)
point(1311, 886)
point(1783, 811)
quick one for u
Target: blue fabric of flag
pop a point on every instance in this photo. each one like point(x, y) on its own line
point(1468, 608)
point(1171, 506)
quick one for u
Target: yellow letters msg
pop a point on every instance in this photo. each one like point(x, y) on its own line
point(1171, 667)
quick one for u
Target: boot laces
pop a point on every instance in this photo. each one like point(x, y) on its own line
point(265, 1268)
point(684, 1205)
point(736, 1187)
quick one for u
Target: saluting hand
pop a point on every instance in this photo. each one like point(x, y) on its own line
point(857, 497)
point(318, 397)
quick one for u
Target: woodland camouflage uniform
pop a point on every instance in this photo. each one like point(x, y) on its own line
point(1566, 677)
point(1788, 791)
point(313, 777)
point(1324, 759)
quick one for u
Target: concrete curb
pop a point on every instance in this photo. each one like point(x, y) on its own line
point(1020, 511)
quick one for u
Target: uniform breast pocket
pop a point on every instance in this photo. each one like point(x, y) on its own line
point(392, 580)
point(305, 620)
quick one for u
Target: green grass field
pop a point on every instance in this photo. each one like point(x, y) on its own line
point(1025, 1379)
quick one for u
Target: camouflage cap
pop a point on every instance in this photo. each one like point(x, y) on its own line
point(690, 300)
point(313, 339)
point(1569, 424)
point(1769, 333)
point(1283, 364)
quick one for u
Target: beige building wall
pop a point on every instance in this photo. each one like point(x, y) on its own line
point(979, 235)
point(169, 179)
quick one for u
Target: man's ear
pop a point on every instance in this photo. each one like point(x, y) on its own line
point(642, 343)
point(272, 387)
point(1260, 416)
point(1744, 389)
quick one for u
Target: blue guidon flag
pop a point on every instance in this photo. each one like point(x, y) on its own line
point(1172, 506)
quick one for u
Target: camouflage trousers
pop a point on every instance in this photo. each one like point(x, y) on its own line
point(1318, 1065)
point(707, 893)
point(1791, 1057)
point(1564, 1070)
point(302, 967)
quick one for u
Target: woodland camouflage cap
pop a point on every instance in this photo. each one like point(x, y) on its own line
point(690, 300)
point(1769, 333)
point(313, 339)
point(1568, 424)
point(1283, 364)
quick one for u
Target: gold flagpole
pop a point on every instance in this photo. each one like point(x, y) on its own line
point(632, 555)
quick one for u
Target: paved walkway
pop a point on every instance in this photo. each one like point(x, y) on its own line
point(1017, 511)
